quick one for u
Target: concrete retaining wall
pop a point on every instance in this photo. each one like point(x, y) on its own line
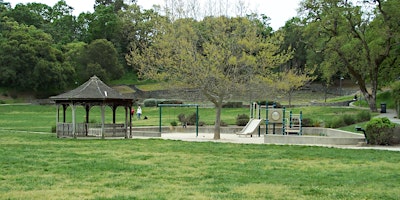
point(311, 135)
point(317, 136)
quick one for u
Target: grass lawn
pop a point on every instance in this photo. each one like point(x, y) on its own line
point(42, 118)
point(40, 166)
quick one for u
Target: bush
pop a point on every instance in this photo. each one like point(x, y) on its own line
point(150, 102)
point(380, 131)
point(53, 129)
point(307, 122)
point(223, 123)
point(171, 101)
point(349, 120)
point(363, 116)
point(189, 120)
point(335, 123)
point(233, 105)
point(241, 120)
point(271, 103)
point(202, 123)
point(174, 123)
point(182, 118)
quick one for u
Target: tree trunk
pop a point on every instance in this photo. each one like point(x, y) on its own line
point(217, 128)
point(371, 102)
point(290, 98)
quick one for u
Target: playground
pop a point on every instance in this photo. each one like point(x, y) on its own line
point(278, 127)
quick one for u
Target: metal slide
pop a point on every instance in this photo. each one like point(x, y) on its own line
point(250, 127)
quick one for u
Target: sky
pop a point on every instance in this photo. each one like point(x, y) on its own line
point(278, 10)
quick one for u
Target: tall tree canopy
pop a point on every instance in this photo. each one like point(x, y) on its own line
point(29, 61)
point(355, 40)
point(217, 55)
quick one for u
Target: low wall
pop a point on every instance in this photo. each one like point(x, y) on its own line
point(189, 129)
point(312, 136)
point(146, 134)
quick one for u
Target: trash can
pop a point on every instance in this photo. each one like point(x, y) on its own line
point(383, 107)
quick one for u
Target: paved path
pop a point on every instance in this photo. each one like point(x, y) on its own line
point(391, 115)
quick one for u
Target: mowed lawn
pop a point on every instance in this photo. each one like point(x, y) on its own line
point(35, 164)
point(41, 166)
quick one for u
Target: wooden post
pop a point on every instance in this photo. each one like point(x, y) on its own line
point(126, 122)
point(73, 120)
point(57, 118)
point(130, 122)
point(102, 121)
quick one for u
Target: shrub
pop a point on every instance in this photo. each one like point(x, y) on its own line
point(182, 118)
point(363, 116)
point(318, 123)
point(171, 101)
point(335, 123)
point(233, 105)
point(307, 122)
point(174, 123)
point(150, 102)
point(223, 123)
point(349, 120)
point(380, 131)
point(202, 123)
point(396, 135)
point(241, 120)
point(271, 103)
point(53, 129)
point(189, 120)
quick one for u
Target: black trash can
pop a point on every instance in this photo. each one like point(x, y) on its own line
point(383, 107)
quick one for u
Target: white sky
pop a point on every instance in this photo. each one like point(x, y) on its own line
point(278, 10)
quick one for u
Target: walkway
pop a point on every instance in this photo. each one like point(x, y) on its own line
point(391, 115)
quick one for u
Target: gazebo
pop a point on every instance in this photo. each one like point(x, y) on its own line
point(93, 93)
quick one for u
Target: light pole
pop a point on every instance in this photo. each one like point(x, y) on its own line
point(340, 85)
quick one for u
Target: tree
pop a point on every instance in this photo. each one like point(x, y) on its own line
point(63, 27)
point(217, 55)
point(291, 80)
point(354, 40)
point(29, 61)
point(99, 58)
point(139, 27)
point(294, 39)
point(35, 14)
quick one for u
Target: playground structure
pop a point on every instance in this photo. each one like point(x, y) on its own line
point(275, 119)
point(284, 127)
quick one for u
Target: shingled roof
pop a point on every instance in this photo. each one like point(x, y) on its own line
point(93, 89)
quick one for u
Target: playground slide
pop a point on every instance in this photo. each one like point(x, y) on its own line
point(250, 127)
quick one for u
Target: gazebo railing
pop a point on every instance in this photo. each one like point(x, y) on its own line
point(91, 130)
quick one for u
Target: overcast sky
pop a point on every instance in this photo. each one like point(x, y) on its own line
point(278, 10)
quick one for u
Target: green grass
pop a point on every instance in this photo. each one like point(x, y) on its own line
point(40, 166)
point(352, 128)
point(42, 118)
point(382, 97)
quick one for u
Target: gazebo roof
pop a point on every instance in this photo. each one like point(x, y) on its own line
point(93, 89)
